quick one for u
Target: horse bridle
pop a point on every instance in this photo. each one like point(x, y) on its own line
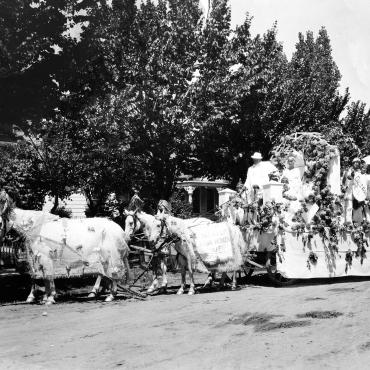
point(135, 219)
point(170, 238)
point(161, 236)
point(3, 228)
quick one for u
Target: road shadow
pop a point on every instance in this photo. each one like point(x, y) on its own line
point(263, 280)
point(14, 288)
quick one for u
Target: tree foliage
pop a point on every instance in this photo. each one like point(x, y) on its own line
point(148, 91)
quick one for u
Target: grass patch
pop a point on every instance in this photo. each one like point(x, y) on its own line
point(320, 314)
point(258, 319)
point(282, 325)
point(251, 319)
point(365, 346)
point(343, 290)
point(262, 322)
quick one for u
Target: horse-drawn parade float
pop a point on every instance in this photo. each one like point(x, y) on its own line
point(302, 215)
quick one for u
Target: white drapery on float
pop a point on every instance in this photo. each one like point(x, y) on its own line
point(315, 252)
point(295, 263)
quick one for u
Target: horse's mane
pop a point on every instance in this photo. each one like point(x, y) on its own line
point(145, 217)
point(136, 203)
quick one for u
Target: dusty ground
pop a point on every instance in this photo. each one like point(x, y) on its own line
point(307, 326)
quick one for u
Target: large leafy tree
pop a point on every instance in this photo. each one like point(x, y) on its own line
point(151, 63)
point(356, 124)
point(34, 45)
point(17, 178)
point(230, 96)
point(307, 98)
point(53, 153)
point(148, 91)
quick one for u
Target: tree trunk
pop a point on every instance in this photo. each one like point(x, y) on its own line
point(56, 203)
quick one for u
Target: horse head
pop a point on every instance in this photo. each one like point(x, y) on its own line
point(157, 229)
point(6, 208)
point(132, 223)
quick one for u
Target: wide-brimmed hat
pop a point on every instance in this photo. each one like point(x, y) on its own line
point(256, 155)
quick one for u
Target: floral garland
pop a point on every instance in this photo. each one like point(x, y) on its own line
point(318, 153)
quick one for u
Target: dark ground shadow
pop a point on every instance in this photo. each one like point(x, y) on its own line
point(14, 288)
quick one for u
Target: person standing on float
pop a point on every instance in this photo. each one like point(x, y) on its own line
point(359, 193)
point(348, 181)
point(257, 176)
point(293, 176)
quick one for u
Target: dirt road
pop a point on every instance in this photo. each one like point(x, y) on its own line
point(301, 327)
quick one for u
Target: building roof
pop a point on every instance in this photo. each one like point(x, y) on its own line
point(203, 182)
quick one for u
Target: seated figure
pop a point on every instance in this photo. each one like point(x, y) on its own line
point(293, 176)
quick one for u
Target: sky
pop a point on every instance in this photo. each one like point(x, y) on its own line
point(347, 23)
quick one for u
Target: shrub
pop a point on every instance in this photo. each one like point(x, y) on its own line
point(180, 205)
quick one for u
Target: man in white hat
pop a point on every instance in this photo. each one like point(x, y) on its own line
point(257, 176)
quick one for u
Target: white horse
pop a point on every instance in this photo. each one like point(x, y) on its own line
point(152, 230)
point(182, 229)
point(95, 244)
point(166, 225)
point(138, 221)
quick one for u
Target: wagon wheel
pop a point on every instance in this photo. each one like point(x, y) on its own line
point(141, 260)
point(274, 275)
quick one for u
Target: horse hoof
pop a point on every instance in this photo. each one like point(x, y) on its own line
point(233, 287)
point(180, 291)
point(153, 287)
point(110, 298)
point(92, 295)
point(44, 299)
point(50, 300)
point(191, 291)
point(30, 299)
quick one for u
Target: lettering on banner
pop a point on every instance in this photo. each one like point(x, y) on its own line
point(214, 241)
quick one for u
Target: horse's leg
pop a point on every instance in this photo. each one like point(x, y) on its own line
point(234, 283)
point(31, 297)
point(113, 291)
point(191, 277)
point(47, 290)
point(182, 262)
point(155, 284)
point(95, 290)
point(164, 274)
point(50, 292)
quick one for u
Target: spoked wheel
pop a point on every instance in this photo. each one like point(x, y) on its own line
point(277, 278)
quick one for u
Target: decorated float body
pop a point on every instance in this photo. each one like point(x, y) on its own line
point(303, 236)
